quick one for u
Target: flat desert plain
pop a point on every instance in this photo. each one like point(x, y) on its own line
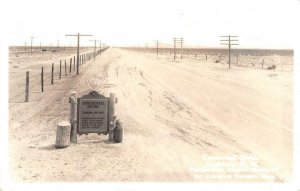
point(188, 119)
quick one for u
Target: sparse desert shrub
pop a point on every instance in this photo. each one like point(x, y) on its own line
point(217, 61)
point(271, 67)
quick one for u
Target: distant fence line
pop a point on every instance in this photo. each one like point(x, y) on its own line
point(65, 68)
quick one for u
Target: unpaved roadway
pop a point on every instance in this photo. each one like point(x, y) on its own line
point(175, 114)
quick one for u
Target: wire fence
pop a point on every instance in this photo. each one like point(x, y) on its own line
point(35, 81)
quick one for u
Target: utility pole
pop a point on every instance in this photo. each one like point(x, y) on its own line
point(31, 39)
point(78, 39)
point(181, 41)
point(228, 41)
point(156, 41)
point(174, 48)
point(100, 46)
point(95, 48)
point(176, 40)
point(57, 44)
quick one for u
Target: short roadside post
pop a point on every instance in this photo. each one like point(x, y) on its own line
point(62, 134)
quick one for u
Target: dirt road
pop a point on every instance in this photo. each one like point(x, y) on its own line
point(174, 114)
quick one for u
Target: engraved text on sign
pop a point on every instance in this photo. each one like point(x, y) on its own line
point(93, 115)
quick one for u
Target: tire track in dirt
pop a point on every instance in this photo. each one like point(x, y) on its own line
point(212, 137)
point(166, 120)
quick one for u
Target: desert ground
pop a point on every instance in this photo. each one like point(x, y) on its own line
point(179, 117)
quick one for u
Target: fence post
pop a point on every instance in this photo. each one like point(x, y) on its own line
point(65, 68)
point(73, 117)
point(52, 71)
point(42, 79)
point(60, 69)
point(70, 65)
point(74, 63)
point(27, 87)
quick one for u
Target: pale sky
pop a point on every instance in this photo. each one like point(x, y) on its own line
point(258, 23)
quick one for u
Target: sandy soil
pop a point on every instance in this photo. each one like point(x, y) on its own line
point(174, 113)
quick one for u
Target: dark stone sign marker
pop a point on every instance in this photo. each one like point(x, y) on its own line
point(93, 114)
